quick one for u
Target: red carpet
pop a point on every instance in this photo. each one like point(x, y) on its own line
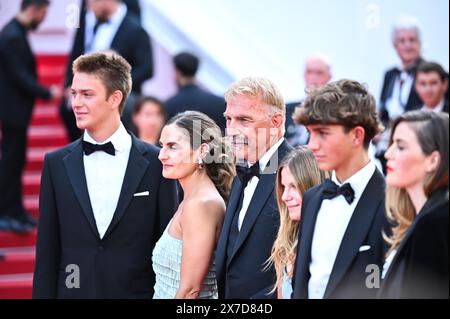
point(17, 252)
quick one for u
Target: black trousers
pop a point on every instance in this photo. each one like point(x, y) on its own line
point(12, 163)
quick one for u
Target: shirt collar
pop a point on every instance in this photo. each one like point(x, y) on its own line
point(119, 15)
point(359, 180)
point(268, 155)
point(437, 108)
point(120, 139)
point(115, 19)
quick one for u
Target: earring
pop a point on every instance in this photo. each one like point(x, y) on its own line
point(200, 163)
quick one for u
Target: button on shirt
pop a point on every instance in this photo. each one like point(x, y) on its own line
point(332, 221)
point(104, 176)
point(253, 182)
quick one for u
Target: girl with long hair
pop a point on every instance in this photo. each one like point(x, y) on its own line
point(298, 172)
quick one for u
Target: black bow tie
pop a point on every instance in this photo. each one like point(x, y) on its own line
point(246, 173)
point(331, 190)
point(90, 148)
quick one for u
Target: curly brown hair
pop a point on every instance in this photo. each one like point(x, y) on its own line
point(344, 102)
point(219, 162)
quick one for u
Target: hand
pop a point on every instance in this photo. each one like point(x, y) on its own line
point(56, 91)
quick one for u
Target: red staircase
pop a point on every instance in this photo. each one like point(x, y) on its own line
point(17, 252)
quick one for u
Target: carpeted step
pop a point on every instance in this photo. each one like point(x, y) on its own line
point(17, 286)
point(46, 115)
point(11, 239)
point(46, 136)
point(35, 157)
point(31, 183)
point(17, 260)
point(32, 205)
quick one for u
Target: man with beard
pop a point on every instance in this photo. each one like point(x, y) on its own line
point(19, 88)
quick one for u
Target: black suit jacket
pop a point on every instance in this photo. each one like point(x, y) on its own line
point(414, 102)
point(243, 276)
point(290, 124)
point(19, 85)
point(131, 41)
point(191, 97)
point(118, 265)
point(348, 276)
point(420, 266)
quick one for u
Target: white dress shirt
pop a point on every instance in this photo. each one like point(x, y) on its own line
point(253, 182)
point(388, 262)
point(104, 176)
point(105, 32)
point(438, 108)
point(395, 105)
point(332, 221)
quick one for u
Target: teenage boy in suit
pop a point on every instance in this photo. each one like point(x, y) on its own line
point(103, 202)
point(343, 218)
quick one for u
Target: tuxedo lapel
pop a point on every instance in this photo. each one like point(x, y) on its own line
point(308, 221)
point(136, 168)
point(74, 165)
point(262, 193)
point(357, 229)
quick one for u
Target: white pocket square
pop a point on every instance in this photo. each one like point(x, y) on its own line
point(364, 248)
point(146, 193)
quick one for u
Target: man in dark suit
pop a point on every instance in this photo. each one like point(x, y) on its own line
point(398, 93)
point(343, 218)
point(255, 117)
point(431, 85)
point(109, 25)
point(190, 97)
point(19, 88)
point(103, 201)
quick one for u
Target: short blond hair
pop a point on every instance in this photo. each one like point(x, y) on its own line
point(260, 88)
point(111, 68)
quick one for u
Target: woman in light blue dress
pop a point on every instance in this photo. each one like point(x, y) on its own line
point(298, 172)
point(193, 152)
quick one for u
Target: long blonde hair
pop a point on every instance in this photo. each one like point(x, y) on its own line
point(306, 173)
point(432, 131)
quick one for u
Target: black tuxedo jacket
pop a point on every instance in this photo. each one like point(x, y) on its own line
point(242, 276)
point(414, 102)
point(348, 276)
point(131, 41)
point(19, 85)
point(290, 124)
point(420, 266)
point(191, 97)
point(118, 265)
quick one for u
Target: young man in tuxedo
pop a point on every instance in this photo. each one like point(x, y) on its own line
point(103, 201)
point(343, 218)
point(255, 116)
